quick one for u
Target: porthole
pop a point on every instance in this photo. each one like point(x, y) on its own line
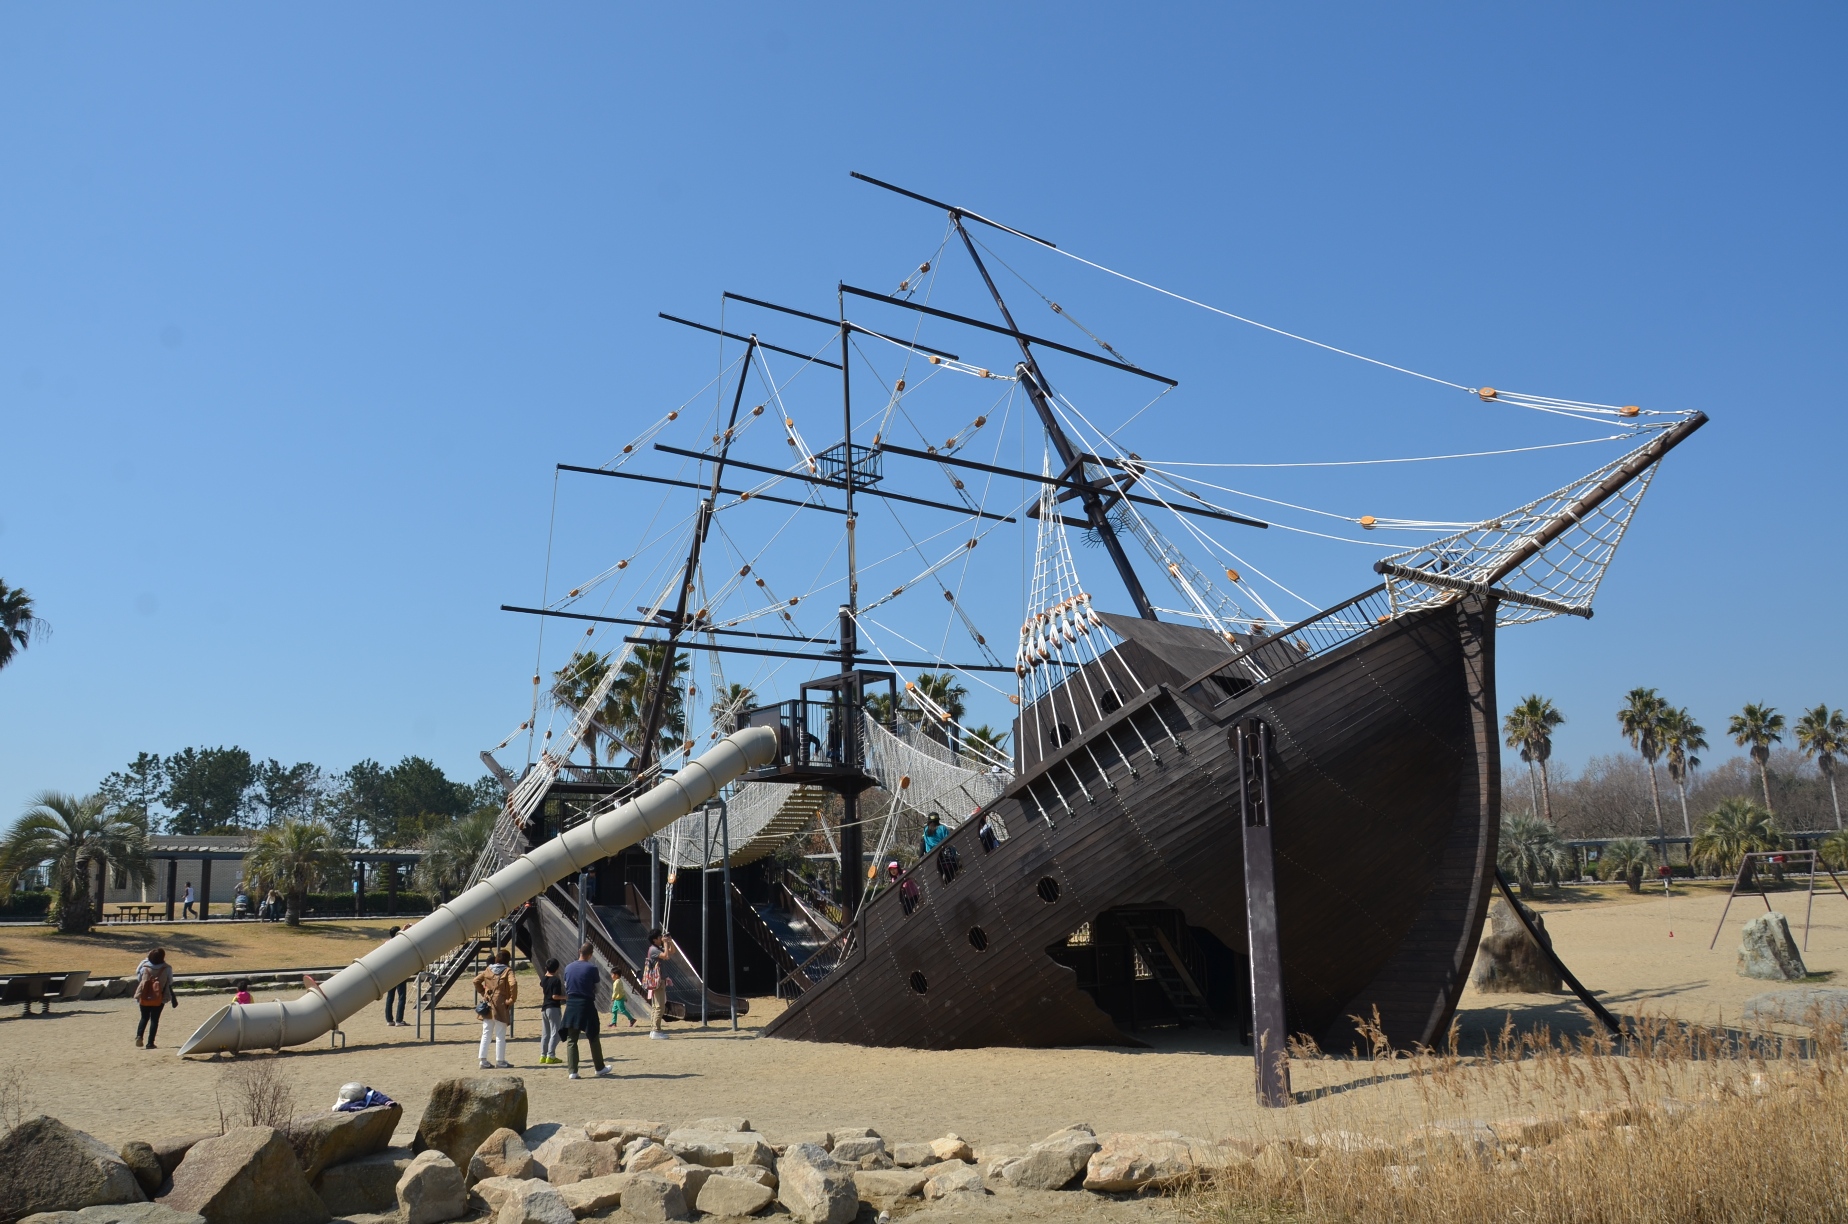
point(919, 984)
point(1110, 702)
point(1048, 889)
point(978, 939)
point(1060, 735)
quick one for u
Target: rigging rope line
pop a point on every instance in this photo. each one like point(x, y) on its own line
point(1512, 450)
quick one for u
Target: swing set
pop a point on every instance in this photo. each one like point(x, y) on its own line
point(1748, 872)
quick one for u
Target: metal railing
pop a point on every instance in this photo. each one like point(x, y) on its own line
point(1270, 655)
point(809, 734)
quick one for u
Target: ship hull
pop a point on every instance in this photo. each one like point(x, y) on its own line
point(1385, 797)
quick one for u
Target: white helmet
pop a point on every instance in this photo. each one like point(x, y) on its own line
point(351, 1092)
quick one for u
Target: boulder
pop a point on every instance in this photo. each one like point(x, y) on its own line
point(733, 1196)
point(689, 1177)
point(596, 1195)
point(1767, 951)
point(814, 1187)
point(431, 1189)
point(852, 1149)
point(620, 1130)
point(885, 1188)
point(463, 1112)
point(245, 1176)
point(539, 1133)
point(648, 1197)
point(911, 1155)
point(118, 1213)
point(951, 1147)
point(171, 1151)
point(1053, 1163)
point(645, 1156)
point(327, 1139)
point(1808, 1006)
point(720, 1124)
point(1506, 959)
point(368, 1185)
point(145, 1165)
point(549, 1141)
point(717, 1149)
point(957, 1179)
point(821, 1139)
point(502, 1154)
point(750, 1173)
point(48, 1166)
point(540, 1205)
point(577, 1160)
point(1124, 1163)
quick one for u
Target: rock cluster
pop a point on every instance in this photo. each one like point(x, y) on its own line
point(476, 1156)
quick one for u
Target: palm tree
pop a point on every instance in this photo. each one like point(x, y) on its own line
point(634, 689)
point(1530, 848)
point(1732, 829)
point(1641, 720)
point(1758, 727)
point(991, 745)
point(572, 686)
point(1682, 737)
point(1530, 728)
point(450, 851)
point(732, 701)
point(79, 841)
point(1822, 733)
point(941, 690)
point(1625, 859)
point(296, 856)
point(1835, 850)
point(18, 626)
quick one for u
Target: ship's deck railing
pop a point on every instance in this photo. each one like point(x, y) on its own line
point(1273, 654)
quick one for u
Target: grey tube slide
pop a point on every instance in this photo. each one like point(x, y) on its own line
point(259, 1026)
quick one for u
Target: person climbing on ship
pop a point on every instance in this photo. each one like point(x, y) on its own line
point(934, 833)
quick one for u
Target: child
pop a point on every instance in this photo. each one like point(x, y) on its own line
point(243, 992)
point(551, 1005)
point(619, 999)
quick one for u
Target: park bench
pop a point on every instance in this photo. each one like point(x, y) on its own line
point(42, 988)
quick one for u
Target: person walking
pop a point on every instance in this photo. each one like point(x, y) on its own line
point(619, 998)
point(551, 1013)
point(153, 991)
point(496, 992)
point(582, 977)
point(655, 980)
point(186, 907)
point(396, 993)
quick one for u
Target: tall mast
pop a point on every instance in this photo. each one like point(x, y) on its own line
point(1039, 391)
point(848, 695)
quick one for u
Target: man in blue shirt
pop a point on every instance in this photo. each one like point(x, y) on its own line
point(582, 978)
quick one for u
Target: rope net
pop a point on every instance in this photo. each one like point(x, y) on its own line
point(1560, 573)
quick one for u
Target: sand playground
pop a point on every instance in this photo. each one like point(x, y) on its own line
point(81, 1064)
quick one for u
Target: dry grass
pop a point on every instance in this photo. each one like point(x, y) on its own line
point(255, 1092)
point(16, 1100)
point(192, 947)
point(1673, 1123)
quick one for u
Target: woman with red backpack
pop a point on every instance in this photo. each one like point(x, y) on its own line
point(153, 991)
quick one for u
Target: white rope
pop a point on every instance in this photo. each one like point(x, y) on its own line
point(1513, 450)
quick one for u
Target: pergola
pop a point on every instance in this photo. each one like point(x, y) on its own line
point(205, 853)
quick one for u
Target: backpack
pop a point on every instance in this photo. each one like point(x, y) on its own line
point(148, 992)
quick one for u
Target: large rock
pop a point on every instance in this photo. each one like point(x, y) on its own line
point(327, 1139)
point(463, 1112)
point(595, 1196)
point(652, 1198)
point(645, 1156)
point(48, 1166)
point(548, 1142)
point(750, 1173)
point(621, 1130)
point(1053, 1163)
point(815, 1187)
point(1767, 951)
point(171, 1151)
point(1809, 1006)
point(886, 1188)
point(502, 1154)
point(368, 1185)
point(578, 1160)
point(1507, 961)
point(118, 1213)
point(717, 1149)
point(689, 1177)
point(957, 1178)
point(720, 1124)
point(431, 1189)
point(911, 1155)
point(140, 1158)
point(1124, 1163)
point(951, 1147)
point(733, 1196)
point(542, 1204)
point(245, 1176)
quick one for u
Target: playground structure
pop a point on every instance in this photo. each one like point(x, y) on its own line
point(321, 1009)
point(1748, 871)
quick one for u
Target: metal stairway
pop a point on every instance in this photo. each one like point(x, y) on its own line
point(1169, 970)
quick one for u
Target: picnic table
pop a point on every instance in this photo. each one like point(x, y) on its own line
point(135, 911)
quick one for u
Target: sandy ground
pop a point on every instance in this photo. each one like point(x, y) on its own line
point(80, 1063)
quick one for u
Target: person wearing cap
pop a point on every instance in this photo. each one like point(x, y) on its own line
point(934, 833)
point(356, 1096)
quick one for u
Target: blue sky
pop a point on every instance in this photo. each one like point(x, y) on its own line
point(299, 308)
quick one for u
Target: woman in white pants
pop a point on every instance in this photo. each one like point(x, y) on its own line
point(496, 991)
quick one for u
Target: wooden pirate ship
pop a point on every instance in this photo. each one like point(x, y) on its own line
point(1210, 815)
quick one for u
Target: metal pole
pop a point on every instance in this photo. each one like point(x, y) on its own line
point(731, 962)
point(583, 905)
point(654, 882)
point(705, 927)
